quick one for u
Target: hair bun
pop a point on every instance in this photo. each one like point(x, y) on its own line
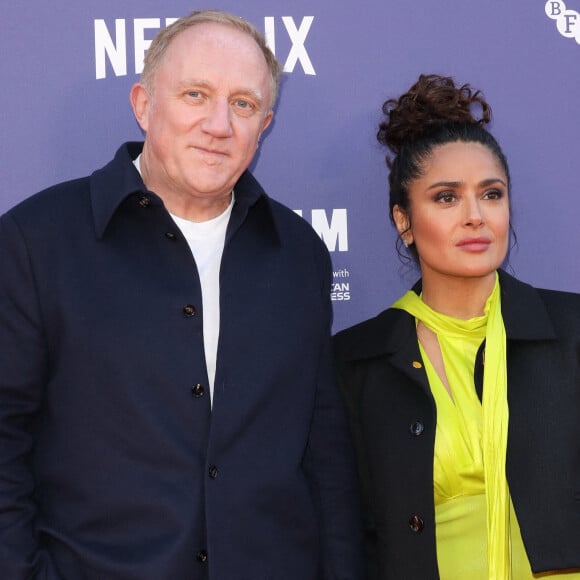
point(433, 100)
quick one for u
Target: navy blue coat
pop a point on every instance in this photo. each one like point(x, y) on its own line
point(112, 464)
point(394, 416)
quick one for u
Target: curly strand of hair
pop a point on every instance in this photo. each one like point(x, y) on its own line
point(433, 100)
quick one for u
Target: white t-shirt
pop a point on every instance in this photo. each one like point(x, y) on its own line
point(206, 240)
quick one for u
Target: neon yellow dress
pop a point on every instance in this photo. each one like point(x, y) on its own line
point(459, 483)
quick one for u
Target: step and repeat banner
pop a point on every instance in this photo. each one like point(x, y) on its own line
point(67, 68)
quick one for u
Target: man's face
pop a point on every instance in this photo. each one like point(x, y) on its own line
point(209, 103)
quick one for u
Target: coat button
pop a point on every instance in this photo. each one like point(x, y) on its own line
point(170, 236)
point(416, 364)
point(144, 201)
point(202, 556)
point(189, 310)
point(213, 471)
point(417, 428)
point(197, 390)
point(416, 524)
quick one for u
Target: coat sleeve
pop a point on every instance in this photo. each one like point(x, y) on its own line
point(23, 376)
point(330, 465)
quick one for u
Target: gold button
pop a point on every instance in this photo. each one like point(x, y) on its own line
point(417, 364)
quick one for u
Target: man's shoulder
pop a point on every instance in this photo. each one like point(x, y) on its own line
point(288, 216)
point(68, 200)
point(290, 226)
point(56, 200)
point(293, 227)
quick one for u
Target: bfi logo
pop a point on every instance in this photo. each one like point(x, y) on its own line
point(334, 233)
point(567, 21)
point(111, 44)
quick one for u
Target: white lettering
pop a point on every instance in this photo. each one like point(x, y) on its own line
point(342, 273)
point(333, 233)
point(141, 45)
point(340, 286)
point(340, 295)
point(298, 51)
point(105, 47)
point(270, 33)
point(114, 48)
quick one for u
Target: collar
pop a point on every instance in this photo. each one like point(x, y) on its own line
point(111, 185)
point(524, 313)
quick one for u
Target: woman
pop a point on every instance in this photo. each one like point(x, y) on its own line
point(464, 396)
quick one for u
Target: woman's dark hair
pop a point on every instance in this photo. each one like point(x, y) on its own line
point(433, 112)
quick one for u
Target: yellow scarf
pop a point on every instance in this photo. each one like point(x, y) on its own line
point(495, 421)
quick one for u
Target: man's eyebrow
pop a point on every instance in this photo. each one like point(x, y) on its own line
point(242, 91)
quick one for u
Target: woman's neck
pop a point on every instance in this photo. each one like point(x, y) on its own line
point(462, 298)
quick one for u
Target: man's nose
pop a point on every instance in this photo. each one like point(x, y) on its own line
point(218, 119)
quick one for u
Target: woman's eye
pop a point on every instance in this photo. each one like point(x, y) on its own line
point(493, 194)
point(445, 197)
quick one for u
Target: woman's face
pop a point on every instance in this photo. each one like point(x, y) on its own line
point(459, 214)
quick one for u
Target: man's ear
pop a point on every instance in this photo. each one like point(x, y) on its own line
point(140, 103)
point(267, 120)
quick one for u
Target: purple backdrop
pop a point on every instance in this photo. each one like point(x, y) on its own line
point(67, 71)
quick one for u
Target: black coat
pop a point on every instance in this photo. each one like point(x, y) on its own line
point(393, 417)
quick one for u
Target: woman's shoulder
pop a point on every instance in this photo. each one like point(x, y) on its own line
point(564, 297)
point(563, 309)
point(528, 304)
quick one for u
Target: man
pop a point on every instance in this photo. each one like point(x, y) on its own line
point(168, 408)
